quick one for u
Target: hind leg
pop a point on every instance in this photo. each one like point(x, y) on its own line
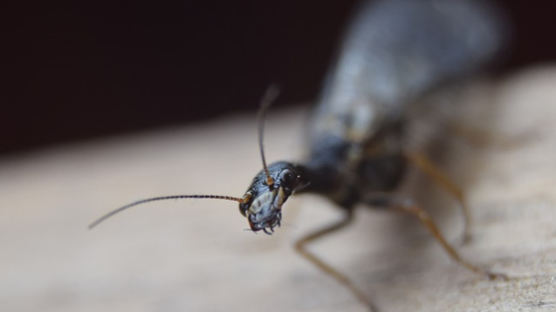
point(422, 162)
point(408, 206)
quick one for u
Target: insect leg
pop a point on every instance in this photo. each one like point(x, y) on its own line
point(481, 138)
point(422, 162)
point(301, 248)
point(407, 205)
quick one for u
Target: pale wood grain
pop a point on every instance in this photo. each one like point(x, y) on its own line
point(195, 255)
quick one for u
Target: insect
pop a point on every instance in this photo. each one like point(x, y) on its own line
point(394, 52)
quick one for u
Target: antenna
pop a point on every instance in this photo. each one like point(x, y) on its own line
point(139, 202)
point(269, 96)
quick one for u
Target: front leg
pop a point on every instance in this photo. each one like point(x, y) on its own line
point(301, 248)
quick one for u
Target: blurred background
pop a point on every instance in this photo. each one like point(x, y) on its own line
point(75, 70)
point(107, 102)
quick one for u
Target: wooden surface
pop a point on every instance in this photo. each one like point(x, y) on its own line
point(197, 256)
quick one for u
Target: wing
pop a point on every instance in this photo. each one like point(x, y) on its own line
point(394, 52)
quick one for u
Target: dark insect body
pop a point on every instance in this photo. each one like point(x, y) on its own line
point(395, 52)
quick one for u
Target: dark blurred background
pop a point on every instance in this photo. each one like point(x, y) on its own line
point(83, 69)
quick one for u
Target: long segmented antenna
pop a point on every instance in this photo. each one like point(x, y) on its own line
point(139, 202)
point(269, 96)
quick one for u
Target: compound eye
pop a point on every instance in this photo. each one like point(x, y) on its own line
point(287, 177)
